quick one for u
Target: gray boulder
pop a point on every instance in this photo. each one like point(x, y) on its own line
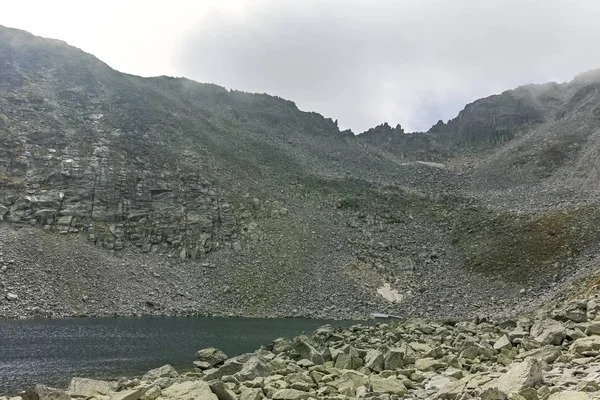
point(166, 371)
point(548, 331)
point(211, 356)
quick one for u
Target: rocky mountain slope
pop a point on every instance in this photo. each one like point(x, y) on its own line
point(127, 195)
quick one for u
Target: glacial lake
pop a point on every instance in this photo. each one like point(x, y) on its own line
point(51, 351)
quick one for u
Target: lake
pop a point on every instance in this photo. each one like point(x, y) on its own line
point(51, 351)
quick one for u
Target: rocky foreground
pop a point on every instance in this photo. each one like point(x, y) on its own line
point(552, 353)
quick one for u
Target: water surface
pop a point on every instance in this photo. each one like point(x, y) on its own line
point(51, 351)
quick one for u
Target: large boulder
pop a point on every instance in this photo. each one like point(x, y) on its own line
point(390, 385)
point(84, 387)
point(40, 392)
point(570, 395)
point(229, 367)
point(255, 367)
point(211, 356)
point(585, 345)
point(305, 350)
point(221, 390)
point(374, 360)
point(519, 376)
point(394, 359)
point(290, 394)
point(166, 371)
point(548, 331)
point(190, 390)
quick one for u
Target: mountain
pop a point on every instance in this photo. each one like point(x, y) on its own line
point(127, 195)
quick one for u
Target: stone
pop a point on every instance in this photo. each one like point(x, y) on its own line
point(229, 367)
point(502, 343)
point(222, 391)
point(255, 367)
point(548, 331)
point(189, 390)
point(570, 395)
point(521, 375)
point(152, 393)
point(211, 356)
point(11, 296)
point(129, 394)
point(390, 385)
point(348, 361)
point(584, 345)
point(84, 387)
point(350, 379)
point(394, 359)
point(307, 351)
point(166, 371)
point(593, 328)
point(492, 394)
point(290, 394)
point(251, 394)
point(374, 360)
point(40, 392)
point(429, 364)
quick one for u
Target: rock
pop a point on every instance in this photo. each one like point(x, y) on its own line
point(251, 394)
point(290, 394)
point(523, 375)
point(229, 367)
point(492, 394)
point(429, 364)
point(593, 328)
point(374, 360)
point(255, 367)
point(350, 379)
point(570, 395)
point(348, 361)
point(211, 355)
point(11, 296)
point(548, 331)
point(40, 392)
point(394, 359)
point(84, 387)
point(307, 351)
point(130, 394)
point(166, 371)
point(221, 390)
point(439, 382)
point(152, 393)
point(190, 390)
point(502, 343)
point(390, 385)
point(584, 345)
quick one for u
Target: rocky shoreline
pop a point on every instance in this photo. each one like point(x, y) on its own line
point(552, 353)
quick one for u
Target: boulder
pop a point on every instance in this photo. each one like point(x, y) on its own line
point(129, 394)
point(290, 394)
point(584, 345)
point(229, 367)
point(40, 392)
point(593, 328)
point(166, 371)
point(374, 360)
point(189, 390)
point(548, 331)
point(348, 361)
point(394, 359)
point(306, 351)
point(211, 356)
point(519, 376)
point(84, 387)
point(255, 367)
point(350, 379)
point(390, 385)
point(502, 343)
point(221, 390)
point(251, 393)
point(570, 395)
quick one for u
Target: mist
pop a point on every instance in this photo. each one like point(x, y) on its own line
point(407, 62)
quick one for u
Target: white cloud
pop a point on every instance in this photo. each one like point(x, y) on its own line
point(363, 62)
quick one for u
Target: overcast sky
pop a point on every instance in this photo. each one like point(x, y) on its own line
point(410, 62)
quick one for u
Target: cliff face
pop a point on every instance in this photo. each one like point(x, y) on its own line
point(244, 204)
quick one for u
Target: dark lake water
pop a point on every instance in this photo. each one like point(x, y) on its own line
point(50, 351)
